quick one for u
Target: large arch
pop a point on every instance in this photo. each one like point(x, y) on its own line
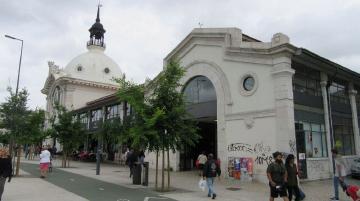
point(224, 101)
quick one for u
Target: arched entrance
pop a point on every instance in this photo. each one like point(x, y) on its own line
point(201, 103)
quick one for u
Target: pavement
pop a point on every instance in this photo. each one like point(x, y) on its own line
point(80, 183)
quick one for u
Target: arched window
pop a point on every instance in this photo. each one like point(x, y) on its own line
point(199, 90)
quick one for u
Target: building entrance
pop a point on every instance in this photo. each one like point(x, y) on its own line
point(201, 103)
point(207, 143)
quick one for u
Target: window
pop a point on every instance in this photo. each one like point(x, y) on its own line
point(115, 111)
point(343, 135)
point(338, 93)
point(96, 115)
point(83, 118)
point(107, 70)
point(199, 90)
point(307, 80)
point(249, 83)
point(313, 135)
point(79, 68)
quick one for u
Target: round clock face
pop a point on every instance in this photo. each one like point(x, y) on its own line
point(249, 83)
point(56, 96)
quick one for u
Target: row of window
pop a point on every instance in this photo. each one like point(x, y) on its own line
point(307, 81)
point(114, 111)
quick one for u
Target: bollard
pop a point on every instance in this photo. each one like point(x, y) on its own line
point(145, 181)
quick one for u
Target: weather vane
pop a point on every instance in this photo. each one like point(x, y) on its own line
point(99, 4)
point(200, 24)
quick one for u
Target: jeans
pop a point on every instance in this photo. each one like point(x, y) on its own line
point(210, 185)
point(336, 187)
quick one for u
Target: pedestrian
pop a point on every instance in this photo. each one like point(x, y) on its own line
point(210, 171)
point(130, 161)
point(277, 176)
point(44, 162)
point(142, 157)
point(292, 181)
point(339, 174)
point(5, 169)
point(201, 162)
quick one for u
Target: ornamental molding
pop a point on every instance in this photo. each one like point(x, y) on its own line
point(250, 115)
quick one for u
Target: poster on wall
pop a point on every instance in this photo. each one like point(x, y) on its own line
point(240, 168)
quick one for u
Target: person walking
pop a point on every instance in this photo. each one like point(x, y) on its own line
point(277, 176)
point(5, 169)
point(210, 171)
point(44, 162)
point(130, 160)
point(201, 161)
point(339, 174)
point(292, 181)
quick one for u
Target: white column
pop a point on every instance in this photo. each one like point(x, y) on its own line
point(284, 103)
point(323, 83)
point(352, 97)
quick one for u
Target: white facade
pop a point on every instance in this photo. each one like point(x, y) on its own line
point(252, 123)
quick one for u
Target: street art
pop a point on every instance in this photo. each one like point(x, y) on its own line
point(240, 168)
point(261, 151)
point(263, 159)
point(240, 147)
point(292, 145)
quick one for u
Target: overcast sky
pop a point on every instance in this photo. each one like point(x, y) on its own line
point(139, 34)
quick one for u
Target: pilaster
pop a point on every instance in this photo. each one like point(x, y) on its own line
point(323, 84)
point(284, 103)
point(352, 97)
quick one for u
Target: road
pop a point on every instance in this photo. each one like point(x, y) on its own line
point(93, 189)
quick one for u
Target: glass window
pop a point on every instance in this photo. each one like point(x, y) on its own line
point(314, 137)
point(307, 80)
point(96, 115)
point(338, 93)
point(114, 111)
point(199, 90)
point(344, 136)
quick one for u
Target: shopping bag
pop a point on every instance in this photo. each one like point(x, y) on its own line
point(202, 184)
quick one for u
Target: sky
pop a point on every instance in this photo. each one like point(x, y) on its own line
point(140, 33)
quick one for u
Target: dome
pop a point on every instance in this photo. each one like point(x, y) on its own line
point(94, 66)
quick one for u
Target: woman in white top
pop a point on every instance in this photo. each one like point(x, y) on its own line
point(44, 162)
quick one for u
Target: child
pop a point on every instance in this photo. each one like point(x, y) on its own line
point(351, 190)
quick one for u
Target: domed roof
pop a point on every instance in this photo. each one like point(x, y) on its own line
point(94, 66)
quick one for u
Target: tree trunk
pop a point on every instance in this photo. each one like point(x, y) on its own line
point(163, 170)
point(168, 169)
point(63, 161)
point(156, 169)
point(18, 161)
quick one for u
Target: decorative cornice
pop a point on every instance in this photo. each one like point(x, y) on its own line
point(253, 114)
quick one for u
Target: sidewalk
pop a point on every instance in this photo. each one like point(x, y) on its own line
point(185, 184)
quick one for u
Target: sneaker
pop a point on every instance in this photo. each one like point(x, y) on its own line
point(209, 195)
point(334, 199)
point(214, 196)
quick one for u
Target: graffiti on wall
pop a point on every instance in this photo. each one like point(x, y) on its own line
point(316, 166)
point(261, 150)
point(292, 146)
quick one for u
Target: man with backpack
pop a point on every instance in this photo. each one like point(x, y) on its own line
point(211, 170)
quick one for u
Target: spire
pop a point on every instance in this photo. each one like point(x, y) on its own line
point(97, 16)
point(97, 32)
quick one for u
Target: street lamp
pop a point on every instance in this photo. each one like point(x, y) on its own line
point(22, 43)
point(11, 144)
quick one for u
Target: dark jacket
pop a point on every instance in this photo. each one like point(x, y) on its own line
point(211, 169)
point(5, 167)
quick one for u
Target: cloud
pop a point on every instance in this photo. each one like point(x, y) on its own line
point(141, 33)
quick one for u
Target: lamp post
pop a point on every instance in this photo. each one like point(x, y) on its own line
point(11, 144)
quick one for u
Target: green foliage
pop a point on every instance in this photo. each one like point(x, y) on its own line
point(14, 114)
point(160, 120)
point(67, 130)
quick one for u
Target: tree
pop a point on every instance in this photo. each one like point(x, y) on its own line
point(160, 121)
point(108, 134)
point(14, 114)
point(68, 130)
